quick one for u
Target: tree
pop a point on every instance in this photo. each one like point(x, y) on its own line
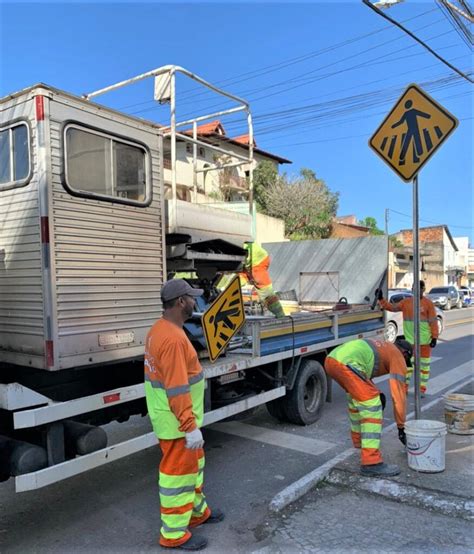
point(264, 176)
point(305, 203)
point(371, 223)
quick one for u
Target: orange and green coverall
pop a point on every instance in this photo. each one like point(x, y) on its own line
point(256, 272)
point(353, 365)
point(174, 389)
point(428, 330)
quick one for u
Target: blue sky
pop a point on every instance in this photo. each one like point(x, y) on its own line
point(320, 78)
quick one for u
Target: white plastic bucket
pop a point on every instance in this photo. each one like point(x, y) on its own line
point(459, 413)
point(426, 443)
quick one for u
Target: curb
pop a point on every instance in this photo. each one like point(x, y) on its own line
point(307, 482)
point(299, 488)
point(446, 504)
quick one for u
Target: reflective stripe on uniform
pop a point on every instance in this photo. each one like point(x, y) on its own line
point(165, 491)
point(397, 377)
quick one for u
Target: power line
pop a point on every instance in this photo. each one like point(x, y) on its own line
point(414, 37)
point(432, 222)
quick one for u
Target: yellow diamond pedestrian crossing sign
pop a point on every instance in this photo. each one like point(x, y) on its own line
point(224, 317)
point(412, 132)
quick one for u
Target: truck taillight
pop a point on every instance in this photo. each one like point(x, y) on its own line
point(109, 398)
point(39, 103)
point(49, 353)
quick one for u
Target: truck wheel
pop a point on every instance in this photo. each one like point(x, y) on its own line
point(276, 408)
point(391, 332)
point(304, 403)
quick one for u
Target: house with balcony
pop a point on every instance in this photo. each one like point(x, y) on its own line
point(200, 171)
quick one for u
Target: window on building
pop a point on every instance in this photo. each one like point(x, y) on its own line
point(101, 165)
point(14, 155)
point(202, 152)
point(189, 148)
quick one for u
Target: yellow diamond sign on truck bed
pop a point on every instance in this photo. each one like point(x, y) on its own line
point(224, 317)
point(412, 132)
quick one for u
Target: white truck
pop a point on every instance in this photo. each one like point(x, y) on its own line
point(86, 242)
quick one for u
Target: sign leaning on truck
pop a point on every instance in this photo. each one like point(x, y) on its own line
point(412, 132)
point(224, 317)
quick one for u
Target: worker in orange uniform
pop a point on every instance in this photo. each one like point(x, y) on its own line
point(174, 387)
point(256, 272)
point(429, 330)
point(354, 365)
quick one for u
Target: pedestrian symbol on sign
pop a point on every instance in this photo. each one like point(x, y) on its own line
point(223, 318)
point(412, 132)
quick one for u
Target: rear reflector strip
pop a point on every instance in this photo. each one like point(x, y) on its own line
point(39, 103)
point(44, 229)
point(109, 398)
point(49, 352)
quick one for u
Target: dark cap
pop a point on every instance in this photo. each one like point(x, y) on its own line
point(178, 287)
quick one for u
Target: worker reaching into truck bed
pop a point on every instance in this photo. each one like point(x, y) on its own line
point(429, 329)
point(256, 272)
point(354, 365)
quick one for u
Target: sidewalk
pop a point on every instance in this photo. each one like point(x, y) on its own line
point(412, 512)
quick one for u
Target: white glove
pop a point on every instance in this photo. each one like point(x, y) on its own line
point(194, 439)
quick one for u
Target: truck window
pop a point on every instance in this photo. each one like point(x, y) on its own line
point(14, 155)
point(100, 165)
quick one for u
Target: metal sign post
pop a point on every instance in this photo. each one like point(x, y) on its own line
point(407, 138)
point(416, 299)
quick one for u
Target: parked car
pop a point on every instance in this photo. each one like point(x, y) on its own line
point(394, 320)
point(465, 297)
point(444, 297)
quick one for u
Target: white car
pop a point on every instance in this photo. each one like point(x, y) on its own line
point(394, 320)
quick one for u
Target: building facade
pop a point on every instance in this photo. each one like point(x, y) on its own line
point(439, 258)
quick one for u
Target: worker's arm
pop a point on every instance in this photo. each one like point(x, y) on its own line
point(386, 305)
point(176, 384)
point(398, 371)
point(433, 320)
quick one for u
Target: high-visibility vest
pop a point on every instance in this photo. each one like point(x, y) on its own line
point(361, 355)
point(257, 254)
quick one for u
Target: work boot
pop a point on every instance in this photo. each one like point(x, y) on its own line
point(380, 470)
point(216, 516)
point(196, 542)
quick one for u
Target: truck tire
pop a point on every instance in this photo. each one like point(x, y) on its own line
point(276, 408)
point(304, 403)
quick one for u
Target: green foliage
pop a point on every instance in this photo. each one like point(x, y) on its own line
point(264, 176)
point(371, 223)
point(395, 243)
point(305, 203)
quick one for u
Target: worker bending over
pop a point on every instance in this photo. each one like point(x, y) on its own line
point(256, 272)
point(353, 365)
point(429, 330)
point(174, 387)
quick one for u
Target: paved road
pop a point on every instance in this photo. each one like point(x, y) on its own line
point(115, 508)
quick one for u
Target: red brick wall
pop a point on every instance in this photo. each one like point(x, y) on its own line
point(341, 231)
point(431, 234)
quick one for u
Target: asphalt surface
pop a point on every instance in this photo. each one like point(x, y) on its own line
point(115, 508)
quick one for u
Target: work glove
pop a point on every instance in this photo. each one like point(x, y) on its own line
point(433, 342)
point(383, 400)
point(379, 294)
point(402, 436)
point(194, 439)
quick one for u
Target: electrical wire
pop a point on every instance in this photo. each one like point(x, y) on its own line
point(432, 222)
point(414, 37)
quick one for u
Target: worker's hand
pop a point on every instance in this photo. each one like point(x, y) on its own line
point(402, 436)
point(433, 342)
point(379, 294)
point(194, 439)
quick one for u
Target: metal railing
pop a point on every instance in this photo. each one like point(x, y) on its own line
point(165, 93)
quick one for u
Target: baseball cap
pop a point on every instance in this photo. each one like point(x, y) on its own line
point(175, 288)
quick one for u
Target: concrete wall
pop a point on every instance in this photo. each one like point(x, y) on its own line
point(269, 229)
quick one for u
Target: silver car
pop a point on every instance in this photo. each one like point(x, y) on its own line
point(394, 320)
point(446, 297)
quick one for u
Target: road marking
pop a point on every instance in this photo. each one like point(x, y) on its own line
point(276, 438)
point(443, 381)
point(459, 322)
